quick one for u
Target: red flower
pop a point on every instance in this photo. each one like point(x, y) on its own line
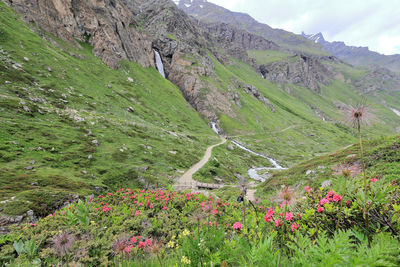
point(133, 239)
point(324, 201)
point(289, 216)
point(278, 223)
point(307, 188)
point(269, 214)
point(237, 226)
point(165, 208)
point(148, 242)
point(294, 227)
point(320, 209)
point(128, 249)
point(337, 198)
point(105, 209)
point(348, 203)
point(142, 244)
point(32, 224)
point(331, 193)
point(137, 213)
point(374, 180)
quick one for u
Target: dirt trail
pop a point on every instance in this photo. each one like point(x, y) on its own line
point(187, 177)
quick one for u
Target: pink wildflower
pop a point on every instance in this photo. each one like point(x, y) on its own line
point(32, 224)
point(278, 223)
point(165, 208)
point(105, 209)
point(237, 226)
point(128, 249)
point(324, 201)
point(331, 193)
point(348, 203)
point(214, 212)
point(133, 239)
point(294, 227)
point(307, 188)
point(337, 198)
point(289, 216)
point(142, 244)
point(374, 180)
point(137, 213)
point(320, 209)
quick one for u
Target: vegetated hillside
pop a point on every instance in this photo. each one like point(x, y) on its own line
point(382, 161)
point(70, 124)
point(359, 56)
point(281, 117)
point(317, 226)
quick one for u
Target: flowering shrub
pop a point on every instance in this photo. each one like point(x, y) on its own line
point(157, 227)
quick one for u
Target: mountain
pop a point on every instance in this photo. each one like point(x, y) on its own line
point(210, 13)
point(84, 109)
point(358, 56)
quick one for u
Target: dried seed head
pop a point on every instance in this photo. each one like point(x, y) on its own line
point(63, 243)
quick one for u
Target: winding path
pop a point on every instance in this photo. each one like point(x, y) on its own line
point(187, 178)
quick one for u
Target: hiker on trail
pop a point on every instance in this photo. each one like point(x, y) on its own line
point(240, 198)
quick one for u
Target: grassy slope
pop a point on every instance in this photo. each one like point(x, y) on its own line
point(382, 158)
point(294, 132)
point(130, 145)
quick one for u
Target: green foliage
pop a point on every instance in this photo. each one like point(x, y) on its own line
point(72, 123)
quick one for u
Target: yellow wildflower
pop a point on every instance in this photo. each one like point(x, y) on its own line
point(185, 260)
point(186, 232)
point(171, 244)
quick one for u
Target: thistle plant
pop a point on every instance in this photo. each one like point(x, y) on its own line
point(358, 116)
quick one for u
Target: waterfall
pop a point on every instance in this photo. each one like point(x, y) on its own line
point(214, 127)
point(159, 64)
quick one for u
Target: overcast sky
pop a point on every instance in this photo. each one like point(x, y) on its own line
point(372, 23)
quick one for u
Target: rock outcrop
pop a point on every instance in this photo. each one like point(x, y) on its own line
point(131, 29)
point(183, 47)
point(253, 92)
point(300, 70)
point(236, 42)
point(107, 26)
point(228, 35)
point(380, 79)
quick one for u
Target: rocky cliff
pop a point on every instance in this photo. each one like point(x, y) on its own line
point(300, 70)
point(236, 42)
point(105, 24)
point(130, 30)
point(380, 79)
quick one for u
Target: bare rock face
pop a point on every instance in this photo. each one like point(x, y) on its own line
point(300, 70)
point(379, 79)
point(105, 24)
point(182, 45)
point(226, 35)
point(131, 29)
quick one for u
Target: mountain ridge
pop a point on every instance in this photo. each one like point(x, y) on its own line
point(357, 55)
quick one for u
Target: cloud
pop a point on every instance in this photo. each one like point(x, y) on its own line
point(372, 23)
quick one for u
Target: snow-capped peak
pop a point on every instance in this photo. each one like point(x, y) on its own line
point(188, 3)
point(317, 38)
